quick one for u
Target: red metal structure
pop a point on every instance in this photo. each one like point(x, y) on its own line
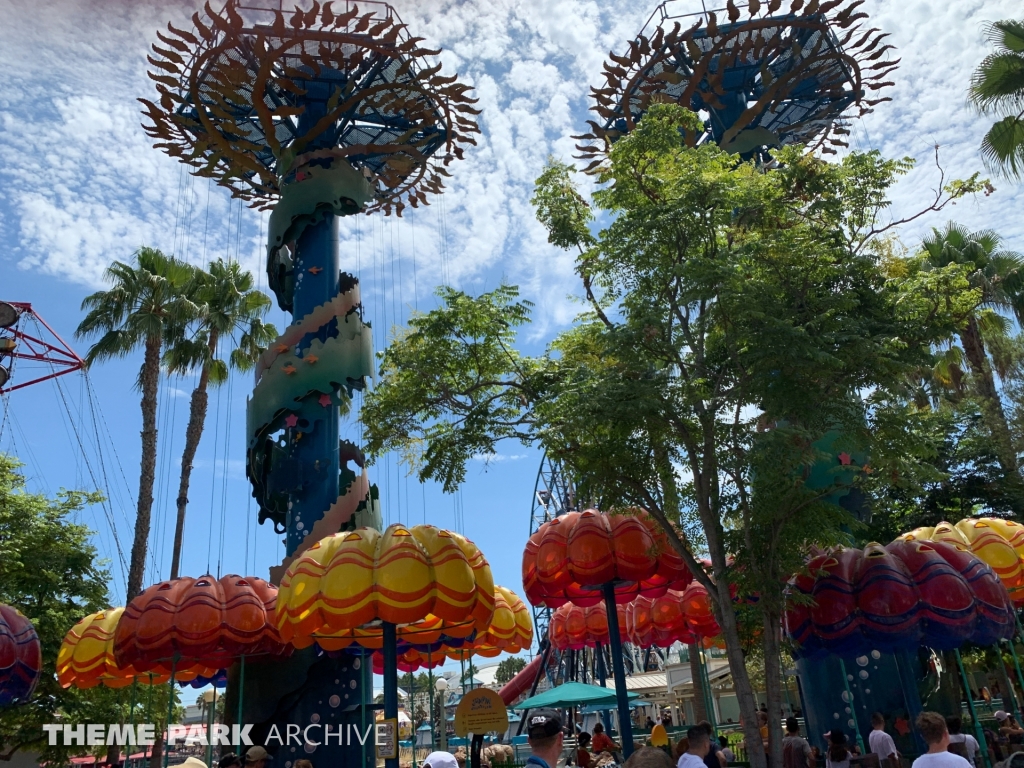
point(17, 344)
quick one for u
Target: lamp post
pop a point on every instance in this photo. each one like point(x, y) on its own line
point(441, 685)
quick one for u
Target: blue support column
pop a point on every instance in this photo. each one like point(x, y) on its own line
point(390, 680)
point(315, 435)
point(619, 671)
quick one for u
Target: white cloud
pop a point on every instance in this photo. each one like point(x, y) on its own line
point(82, 186)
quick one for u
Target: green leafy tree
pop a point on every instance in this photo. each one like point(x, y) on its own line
point(227, 332)
point(50, 572)
point(734, 317)
point(145, 307)
point(509, 668)
point(997, 89)
point(997, 279)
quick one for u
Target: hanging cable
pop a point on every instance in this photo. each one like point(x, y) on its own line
point(224, 477)
point(105, 504)
point(213, 479)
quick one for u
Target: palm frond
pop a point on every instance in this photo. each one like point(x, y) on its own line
point(998, 83)
point(1002, 148)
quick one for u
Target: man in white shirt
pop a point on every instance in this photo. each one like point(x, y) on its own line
point(881, 743)
point(700, 743)
point(932, 727)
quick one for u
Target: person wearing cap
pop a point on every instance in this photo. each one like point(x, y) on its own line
point(256, 757)
point(1009, 729)
point(544, 733)
point(192, 762)
point(440, 760)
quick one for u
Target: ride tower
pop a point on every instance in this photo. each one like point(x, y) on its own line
point(314, 114)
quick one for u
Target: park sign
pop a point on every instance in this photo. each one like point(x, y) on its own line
point(480, 711)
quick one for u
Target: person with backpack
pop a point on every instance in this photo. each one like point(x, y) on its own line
point(962, 744)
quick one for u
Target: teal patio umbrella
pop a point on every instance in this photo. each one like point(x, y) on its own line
point(572, 695)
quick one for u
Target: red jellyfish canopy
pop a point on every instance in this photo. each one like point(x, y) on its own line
point(675, 616)
point(574, 627)
point(410, 660)
point(906, 594)
point(569, 558)
point(205, 621)
point(21, 657)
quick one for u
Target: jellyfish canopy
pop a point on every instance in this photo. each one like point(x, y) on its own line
point(900, 596)
point(21, 657)
point(434, 584)
point(575, 627)
point(570, 557)
point(761, 76)
point(204, 622)
point(998, 543)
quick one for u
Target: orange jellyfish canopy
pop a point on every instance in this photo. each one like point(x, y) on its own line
point(204, 622)
point(569, 558)
point(424, 579)
point(574, 627)
point(511, 629)
point(997, 543)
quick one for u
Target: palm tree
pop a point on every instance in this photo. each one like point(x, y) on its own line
point(229, 310)
point(143, 306)
point(999, 277)
point(997, 88)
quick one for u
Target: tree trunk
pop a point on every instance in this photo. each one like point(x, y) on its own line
point(700, 710)
point(193, 434)
point(717, 584)
point(985, 385)
point(150, 381)
point(726, 615)
point(156, 756)
point(773, 683)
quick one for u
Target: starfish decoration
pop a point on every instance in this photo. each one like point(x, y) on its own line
point(311, 359)
point(844, 458)
point(325, 400)
point(289, 369)
point(314, 270)
point(291, 420)
point(282, 348)
point(902, 726)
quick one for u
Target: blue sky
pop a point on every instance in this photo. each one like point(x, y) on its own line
point(80, 186)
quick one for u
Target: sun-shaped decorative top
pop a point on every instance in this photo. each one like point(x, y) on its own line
point(765, 77)
point(252, 97)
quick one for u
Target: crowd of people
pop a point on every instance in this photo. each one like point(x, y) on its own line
point(947, 745)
